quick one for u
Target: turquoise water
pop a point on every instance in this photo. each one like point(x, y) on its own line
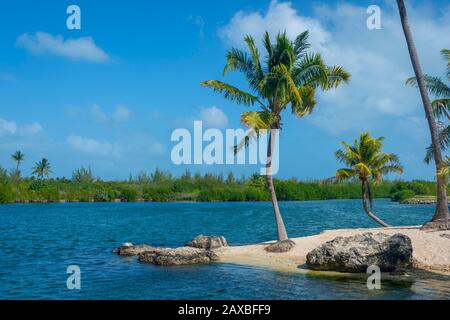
point(39, 241)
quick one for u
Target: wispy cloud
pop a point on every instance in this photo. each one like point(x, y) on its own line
point(91, 146)
point(120, 114)
point(41, 43)
point(213, 117)
point(10, 127)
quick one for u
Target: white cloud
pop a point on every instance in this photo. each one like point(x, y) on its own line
point(97, 113)
point(92, 146)
point(30, 129)
point(121, 114)
point(7, 127)
point(42, 43)
point(279, 17)
point(377, 59)
point(213, 117)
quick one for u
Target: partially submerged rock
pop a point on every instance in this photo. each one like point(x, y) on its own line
point(177, 256)
point(128, 249)
point(280, 246)
point(208, 242)
point(355, 254)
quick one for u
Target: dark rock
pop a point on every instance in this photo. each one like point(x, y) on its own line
point(280, 246)
point(178, 256)
point(208, 242)
point(128, 249)
point(355, 254)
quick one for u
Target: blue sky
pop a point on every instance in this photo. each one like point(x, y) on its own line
point(110, 94)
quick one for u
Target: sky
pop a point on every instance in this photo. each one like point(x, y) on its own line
point(110, 95)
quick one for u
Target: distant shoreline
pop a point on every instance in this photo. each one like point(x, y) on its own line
point(188, 201)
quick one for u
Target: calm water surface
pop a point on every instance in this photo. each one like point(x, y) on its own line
point(39, 241)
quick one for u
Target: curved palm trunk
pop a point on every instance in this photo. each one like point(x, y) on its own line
point(365, 200)
point(281, 229)
point(440, 219)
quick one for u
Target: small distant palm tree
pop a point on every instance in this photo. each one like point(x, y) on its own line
point(368, 163)
point(18, 156)
point(288, 76)
point(42, 169)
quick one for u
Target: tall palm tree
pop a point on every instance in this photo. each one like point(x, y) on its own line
point(368, 163)
point(441, 105)
point(42, 169)
point(18, 156)
point(440, 218)
point(289, 76)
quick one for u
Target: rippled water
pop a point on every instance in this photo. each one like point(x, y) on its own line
point(39, 241)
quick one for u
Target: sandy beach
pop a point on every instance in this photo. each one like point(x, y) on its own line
point(431, 250)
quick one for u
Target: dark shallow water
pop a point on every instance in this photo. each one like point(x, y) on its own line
point(39, 241)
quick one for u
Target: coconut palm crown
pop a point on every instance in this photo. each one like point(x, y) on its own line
point(366, 162)
point(288, 76)
point(42, 169)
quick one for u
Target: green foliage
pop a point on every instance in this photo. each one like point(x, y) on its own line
point(83, 175)
point(7, 194)
point(402, 195)
point(129, 194)
point(194, 187)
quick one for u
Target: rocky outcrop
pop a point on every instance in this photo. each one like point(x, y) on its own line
point(208, 242)
point(355, 254)
point(129, 249)
point(419, 200)
point(280, 246)
point(177, 256)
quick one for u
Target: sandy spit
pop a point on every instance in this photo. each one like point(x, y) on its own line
point(431, 250)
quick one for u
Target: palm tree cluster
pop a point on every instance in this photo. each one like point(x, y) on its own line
point(41, 169)
point(289, 76)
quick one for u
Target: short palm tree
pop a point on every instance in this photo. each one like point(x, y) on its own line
point(441, 214)
point(368, 163)
point(289, 76)
point(18, 156)
point(441, 105)
point(42, 169)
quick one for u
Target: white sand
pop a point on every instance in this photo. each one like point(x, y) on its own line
point(431, 252)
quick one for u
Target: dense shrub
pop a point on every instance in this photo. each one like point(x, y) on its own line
point(129, 194)
point(402, 195)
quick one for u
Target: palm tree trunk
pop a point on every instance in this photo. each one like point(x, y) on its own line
point(281, 229)
point(440, 219)
point(366, 206)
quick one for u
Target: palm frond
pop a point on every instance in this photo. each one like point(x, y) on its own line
point(435, 85)
point(301, 44)
point(231, 93)
point(307, 94)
